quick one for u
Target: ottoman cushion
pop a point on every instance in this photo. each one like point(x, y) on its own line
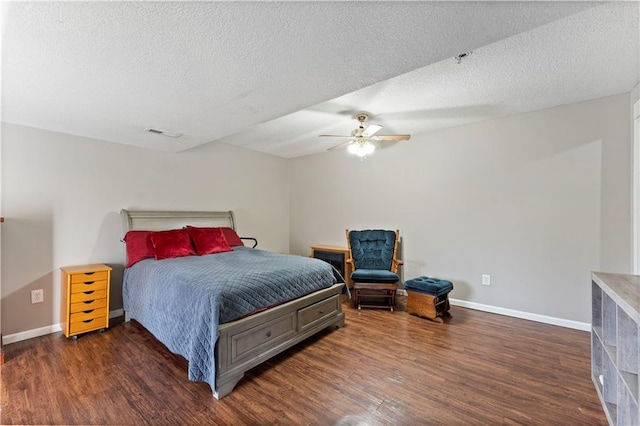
point(428, 285)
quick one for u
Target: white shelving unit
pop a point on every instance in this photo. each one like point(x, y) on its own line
point(615, 350)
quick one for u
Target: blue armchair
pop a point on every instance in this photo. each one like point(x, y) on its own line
point(373, 257)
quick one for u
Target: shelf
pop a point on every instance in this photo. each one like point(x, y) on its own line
point(596, 357)
point(615, 348)
point(627, 409)
point(612, 413)
point(630, 381)
point(627, 339)
point(598, 332)
point(609, 311)
point(610, 378)
point(608, 408)
point(611, 351)
point(596, 308)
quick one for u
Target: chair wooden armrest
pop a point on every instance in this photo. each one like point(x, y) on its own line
point(396, 263)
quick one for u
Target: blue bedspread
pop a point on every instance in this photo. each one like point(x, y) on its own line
point(182, 301)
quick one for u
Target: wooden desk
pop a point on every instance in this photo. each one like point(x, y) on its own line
point(337, 256)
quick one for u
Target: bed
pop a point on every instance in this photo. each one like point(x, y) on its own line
point(230, 311)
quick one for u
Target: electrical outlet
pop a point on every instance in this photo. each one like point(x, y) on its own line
point(486, 279)
point(37, 296)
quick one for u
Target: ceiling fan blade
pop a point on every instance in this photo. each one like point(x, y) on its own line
point(391, 138)
point(370, 130)
point(342, 145)
point(336, 136)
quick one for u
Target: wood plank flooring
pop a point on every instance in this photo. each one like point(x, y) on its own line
point(382, 368)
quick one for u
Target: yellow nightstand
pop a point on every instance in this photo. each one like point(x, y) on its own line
point(85, 298)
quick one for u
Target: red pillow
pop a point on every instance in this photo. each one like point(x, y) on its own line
point(208, 240)
point(139, 246)
point(229, 234)
point(232, 237)
point(173, 243)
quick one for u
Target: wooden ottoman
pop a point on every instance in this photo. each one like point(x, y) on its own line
point(428, 297)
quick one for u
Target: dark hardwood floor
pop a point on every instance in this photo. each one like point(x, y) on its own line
point(382, 368)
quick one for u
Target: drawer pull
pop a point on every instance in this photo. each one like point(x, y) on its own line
point(89, 292)
point(89, 273)
point(89, 311)
point(88, 321)
point(89, 301)
point(269, 333)
point(89, 282)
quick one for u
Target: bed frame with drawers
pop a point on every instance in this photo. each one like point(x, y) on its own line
point(247, 342)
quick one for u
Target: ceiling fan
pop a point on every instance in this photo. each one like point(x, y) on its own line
point(359, 142)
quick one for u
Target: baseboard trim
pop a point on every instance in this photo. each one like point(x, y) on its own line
point(116, 313)
point(43, 331)
point(516, 314)
point(30, 334)
point(583, 326)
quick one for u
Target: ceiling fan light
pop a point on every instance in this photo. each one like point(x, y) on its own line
point(362, 149)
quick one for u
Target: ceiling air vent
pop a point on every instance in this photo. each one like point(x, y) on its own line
point(461, 56)
point(163, 132)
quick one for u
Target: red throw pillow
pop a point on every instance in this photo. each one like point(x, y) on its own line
point(172, 243)
point(208, 240)
point(139, 246)
point(229, 234)
point(232, 237)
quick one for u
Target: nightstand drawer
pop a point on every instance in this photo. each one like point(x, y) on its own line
point(89, 276)
point(88, 314)
point(88, 286)
point(88, 295)
point(88, 304)
point(88, 325)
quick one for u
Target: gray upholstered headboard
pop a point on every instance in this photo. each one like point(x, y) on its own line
point(158, 220)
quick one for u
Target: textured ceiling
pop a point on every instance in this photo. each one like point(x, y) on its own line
point(271, 76)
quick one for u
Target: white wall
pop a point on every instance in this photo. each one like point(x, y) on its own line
point(634, 128)
point(61, 197)
point(537, 200)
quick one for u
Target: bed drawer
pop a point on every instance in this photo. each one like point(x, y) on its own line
point(318, 312)
point(257, 339)
point(88, 286)
point(88, 304)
